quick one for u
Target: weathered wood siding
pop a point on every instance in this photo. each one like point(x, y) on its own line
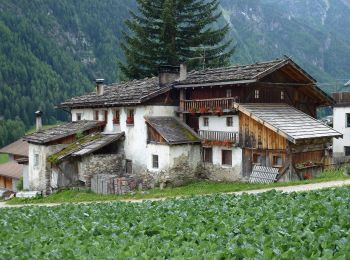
point(6, 182)
point(256, 136)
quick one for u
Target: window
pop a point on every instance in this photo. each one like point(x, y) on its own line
point(128, 166)
point(277, 161)
point(208, 155)
point(229, 121)
point(257, 159)
point(347, 120)
point(228, 93)
point(96, 115)
point(282, 95)
point(205, 121)
point(116, 119)
point(155, 161)
point(130, 117)
point(78, 116)
point(347, 150)
point(227, 157)
point(106, 116)
point(256, 94)
point(36, 159)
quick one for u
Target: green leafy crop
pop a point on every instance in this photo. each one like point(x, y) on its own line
point(265, 226)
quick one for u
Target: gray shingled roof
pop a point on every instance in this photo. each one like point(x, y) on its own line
point(86, 145)
point(240, 73)
point(173, 130)
point(287, 121)
point(125, 93)
point(61, 131)
point(20, 147)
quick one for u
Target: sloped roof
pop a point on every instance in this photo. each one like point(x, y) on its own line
point(234, 74)
point(125, 93)
point(61, 131)
point(86, 145)
point(11, 169)
point(20, 148)
point(287, 121)
point(173, 130)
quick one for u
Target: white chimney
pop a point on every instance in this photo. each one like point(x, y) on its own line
point(183, 71)
point(38, 120)
point(99, 87)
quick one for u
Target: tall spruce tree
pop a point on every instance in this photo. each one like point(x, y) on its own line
point(174, 31)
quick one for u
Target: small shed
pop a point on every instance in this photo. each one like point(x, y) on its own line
point(283, 137)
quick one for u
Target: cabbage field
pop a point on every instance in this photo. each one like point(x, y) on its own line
point(269, 225)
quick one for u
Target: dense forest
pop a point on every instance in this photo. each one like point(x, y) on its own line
point(51, 50)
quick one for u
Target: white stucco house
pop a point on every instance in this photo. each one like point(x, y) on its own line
point(178, 125)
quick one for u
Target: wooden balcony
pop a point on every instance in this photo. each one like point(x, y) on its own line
point(207, 105)
point(219, 136)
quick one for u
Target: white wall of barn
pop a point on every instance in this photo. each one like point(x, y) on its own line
point(218, 123)
point(339, 124)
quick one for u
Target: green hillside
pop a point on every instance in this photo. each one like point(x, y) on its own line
point(51, 50)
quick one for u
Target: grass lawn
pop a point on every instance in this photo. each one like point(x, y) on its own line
point(197, 188)
point(4, 158)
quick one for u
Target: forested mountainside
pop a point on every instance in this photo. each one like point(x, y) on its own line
point(51, 50)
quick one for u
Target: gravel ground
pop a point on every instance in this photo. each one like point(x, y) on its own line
point(298, 188)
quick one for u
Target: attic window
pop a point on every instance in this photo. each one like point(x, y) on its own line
point(78, 116)
point(282, 95)
point(116, 119)
point(155, 161)
point(130, 117)
point(256, 94)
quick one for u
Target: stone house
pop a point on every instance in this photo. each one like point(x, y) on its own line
point(194, 124)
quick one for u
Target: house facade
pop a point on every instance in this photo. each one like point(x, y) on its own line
point(201, 124)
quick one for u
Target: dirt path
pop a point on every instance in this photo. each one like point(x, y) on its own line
point(297, 188)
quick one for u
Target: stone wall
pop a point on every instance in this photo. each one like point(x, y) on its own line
point(113, 164)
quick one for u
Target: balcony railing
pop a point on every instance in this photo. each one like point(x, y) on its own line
point(219, 136)
point(207, 105)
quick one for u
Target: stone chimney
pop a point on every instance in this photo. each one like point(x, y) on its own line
point(183, 71)
point(168, 74)
point(99, 87)
point(38, 120)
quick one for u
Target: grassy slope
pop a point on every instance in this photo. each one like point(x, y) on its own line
point(3, 158)
point(198, 188)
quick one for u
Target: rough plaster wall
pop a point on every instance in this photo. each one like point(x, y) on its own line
point(65, 175)
point(339, 124)
point(25, 177)
point(36, 174)
point(163, 157)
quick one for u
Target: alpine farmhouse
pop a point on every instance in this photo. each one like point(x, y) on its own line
point(217, 124)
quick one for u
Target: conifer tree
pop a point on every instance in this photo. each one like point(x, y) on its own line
point(168, 32)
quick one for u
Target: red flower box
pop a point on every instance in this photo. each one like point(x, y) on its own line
point(129, 120)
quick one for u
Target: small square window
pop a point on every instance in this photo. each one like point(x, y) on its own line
point(257, 94)
point(205, 121)
point(155, 161)
point(347, 150)
point(130, 117)
point(36, 159)
point(78, 116)
point(97, 115)
point(128, 166)
point(277, 161)
point(116, 119)
point(227, 157)
point(228, 93)
point(282, 95)
point(208, 155)
point(257, 159)
point(229, 121)
point(347, 120)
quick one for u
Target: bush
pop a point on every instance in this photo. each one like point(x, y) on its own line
point(19, 184)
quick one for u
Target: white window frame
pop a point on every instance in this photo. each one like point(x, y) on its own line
point(257, 94)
